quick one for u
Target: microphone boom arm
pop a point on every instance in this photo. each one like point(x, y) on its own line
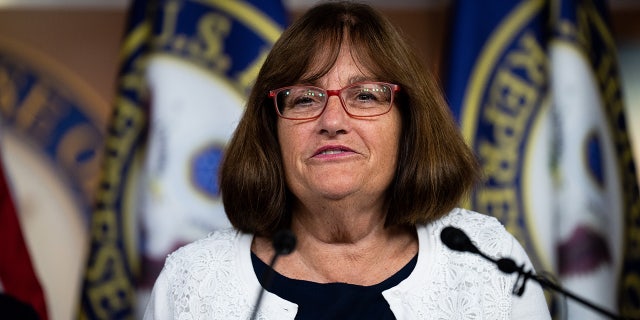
point(456, 239)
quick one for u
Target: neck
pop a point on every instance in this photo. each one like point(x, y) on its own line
point(363, 258)
point(339, 222)
point(351, 246)
point(343, 243)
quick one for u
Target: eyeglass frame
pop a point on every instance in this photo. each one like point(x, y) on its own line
point(274, 94)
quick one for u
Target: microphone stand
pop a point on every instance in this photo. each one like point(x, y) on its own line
point(508, 266)
point(457, 240)
point(267, 283)
point(284, 242)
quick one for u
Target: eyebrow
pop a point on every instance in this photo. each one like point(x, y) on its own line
point(360, 78)
point(352, 80)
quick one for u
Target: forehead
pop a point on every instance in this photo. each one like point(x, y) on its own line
point(351, 62)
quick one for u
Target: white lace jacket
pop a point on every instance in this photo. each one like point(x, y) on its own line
point(213, 278)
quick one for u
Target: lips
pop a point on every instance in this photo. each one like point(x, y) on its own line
point(332, 150)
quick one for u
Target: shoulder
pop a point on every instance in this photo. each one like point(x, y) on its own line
point(458, 278)
point(214, 250)
point(455, 279)
point(460, 217)
point(486, 232)
point(209, 274)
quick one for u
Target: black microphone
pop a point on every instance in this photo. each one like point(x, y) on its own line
point(455, 239)
point(283, 242)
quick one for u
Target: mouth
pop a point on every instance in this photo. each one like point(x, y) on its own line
point(332, 150)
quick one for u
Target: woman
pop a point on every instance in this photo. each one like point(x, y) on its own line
point(347, 142)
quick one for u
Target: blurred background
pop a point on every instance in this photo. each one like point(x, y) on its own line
point(59, 85)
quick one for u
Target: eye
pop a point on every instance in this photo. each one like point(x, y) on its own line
point(367, 94)
point(303, 101)
point(305, 98)
point(364, 96)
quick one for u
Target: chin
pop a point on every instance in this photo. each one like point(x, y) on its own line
point(335, 194)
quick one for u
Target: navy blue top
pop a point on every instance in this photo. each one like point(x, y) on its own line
point(333, 300)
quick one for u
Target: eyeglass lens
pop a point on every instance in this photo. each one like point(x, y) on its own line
point(365, 99)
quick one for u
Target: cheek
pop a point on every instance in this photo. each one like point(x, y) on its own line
point(390, 137)
point(391, 145)
point(287, 139)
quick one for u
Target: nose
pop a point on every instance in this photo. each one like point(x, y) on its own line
point(334, 119)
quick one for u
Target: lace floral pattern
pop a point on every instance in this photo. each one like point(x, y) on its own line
point(204, 282)
point(212, 279)
point(463, 285)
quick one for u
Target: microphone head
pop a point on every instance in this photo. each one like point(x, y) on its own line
point(284, 242)
point(507, 265)
point(457, 240)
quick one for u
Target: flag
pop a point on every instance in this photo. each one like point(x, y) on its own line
point(18, 278)
point(535, 87)
point(186, 68)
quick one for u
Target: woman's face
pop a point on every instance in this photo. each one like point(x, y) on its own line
point(336, 156)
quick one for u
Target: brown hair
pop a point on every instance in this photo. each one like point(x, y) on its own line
point(435, 167)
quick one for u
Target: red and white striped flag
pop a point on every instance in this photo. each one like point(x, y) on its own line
point(18, 279)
